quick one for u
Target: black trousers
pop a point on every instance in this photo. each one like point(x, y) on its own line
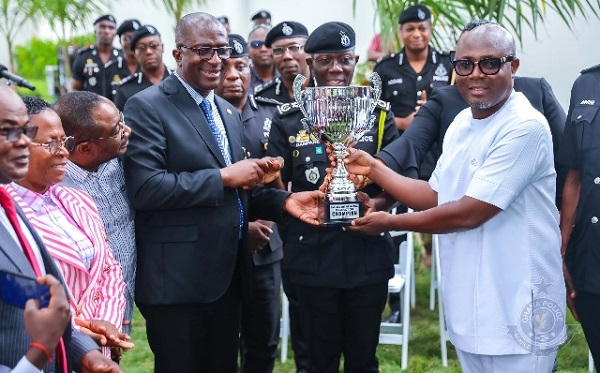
point(342, 321)
point(296, 333)
point(260, 320)
point(588, 309)
point(196, 338)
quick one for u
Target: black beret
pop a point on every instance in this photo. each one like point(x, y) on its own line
point(223, 19)
point(261, 14)
point(106, 17)
point(331, 37)
point(142, 32)
point(284, 30)
point(239, 45)
point(128, 25)
point(414, 13)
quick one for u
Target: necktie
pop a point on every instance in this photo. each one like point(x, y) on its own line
point(11, 213)
point(223, 143)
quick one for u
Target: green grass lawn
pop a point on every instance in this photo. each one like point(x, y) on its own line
point(423, 352)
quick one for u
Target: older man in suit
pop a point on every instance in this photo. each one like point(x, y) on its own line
point(22, 251)
point(188, 181)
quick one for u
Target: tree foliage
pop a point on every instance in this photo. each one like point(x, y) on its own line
point(177, 8)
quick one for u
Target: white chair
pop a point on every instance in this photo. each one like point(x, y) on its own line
point(435, 263)
point(402, 282)
point(433, 284)
point(284, 326)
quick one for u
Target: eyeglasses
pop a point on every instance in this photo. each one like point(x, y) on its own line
point(344, 61)
point(207, 53)
point(126, 39)
point(488, 66)
point(143, 47)
point(294, 48)
point(14, 133)
point(257, 43)
point(54, 146)
point(120, 131)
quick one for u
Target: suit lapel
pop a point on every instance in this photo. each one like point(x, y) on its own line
point(13, 251)
point(233, 128)
point(177, 94)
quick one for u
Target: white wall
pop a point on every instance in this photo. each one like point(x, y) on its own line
point(558, 54)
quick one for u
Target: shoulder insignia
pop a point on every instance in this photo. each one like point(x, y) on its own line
point(129, 78)
point(288, 108)
point(109, 63)
point(385, 58)
point(591, 68)
point(383, 105)
point(85, 49)
point(264, 86)
point(267, 100)
point(252, 102)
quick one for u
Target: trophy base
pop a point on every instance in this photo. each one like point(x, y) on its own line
point(342, 213)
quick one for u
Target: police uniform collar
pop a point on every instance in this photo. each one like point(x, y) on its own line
point(252, 102)
point(431, 58)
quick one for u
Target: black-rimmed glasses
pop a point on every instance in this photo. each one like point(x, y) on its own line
point(344, 61)
point(294, 48)
point(207, 53)
point(14, 133)
point(488, 65)
point(54, 146)
point(143, 47)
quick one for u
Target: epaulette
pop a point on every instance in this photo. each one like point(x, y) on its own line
point(267, 100)
point(130, 78)
point(288, 108)
point(383, 105)
point(262, 87)
point(591, 68)
point(85, 49)
point(385, 58)
point(110, 62)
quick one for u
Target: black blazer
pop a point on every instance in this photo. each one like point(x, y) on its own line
point(13, 338)
point(429, 126)
point(187, 232)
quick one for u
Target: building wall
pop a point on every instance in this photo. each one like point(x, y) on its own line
point(558, 54)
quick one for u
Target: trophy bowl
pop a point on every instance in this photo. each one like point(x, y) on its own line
point(339, 116)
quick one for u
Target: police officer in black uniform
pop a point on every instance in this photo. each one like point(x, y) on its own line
point(286, 41)
point(409, 77)
point(580, 213)
point(261, 18)
point(122, 67)
point(260, 311)
point(148, 48)
point(88, 72)
point(340, 277)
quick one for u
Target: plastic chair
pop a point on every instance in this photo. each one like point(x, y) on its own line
point(284, 326)
point(435, 263)
point(402, 282)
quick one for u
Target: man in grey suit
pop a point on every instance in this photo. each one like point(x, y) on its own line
point(83, 355)
point(190, 186)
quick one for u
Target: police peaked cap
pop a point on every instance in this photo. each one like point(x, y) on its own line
point(285, 30)
point(128, 25)
point(261, 14)
point(331, 37)
point(414, 13)
point(106, 17)
point(239, 45)
point(142, 32)
point(223, 19)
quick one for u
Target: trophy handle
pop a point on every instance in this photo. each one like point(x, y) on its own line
point(297, 89)
point(375, 90)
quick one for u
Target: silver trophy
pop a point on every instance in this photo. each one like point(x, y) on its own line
point(339, 116)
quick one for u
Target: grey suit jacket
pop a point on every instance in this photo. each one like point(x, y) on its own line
point(14, 341)
point(187, 223)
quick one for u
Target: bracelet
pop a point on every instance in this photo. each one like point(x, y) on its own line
point(43, 348)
